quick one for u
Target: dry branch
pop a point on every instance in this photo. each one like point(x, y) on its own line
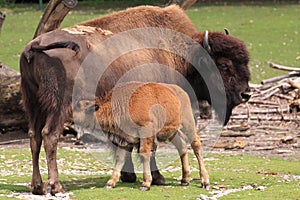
point(285, 68)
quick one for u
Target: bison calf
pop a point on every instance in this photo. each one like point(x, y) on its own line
point(139, 115)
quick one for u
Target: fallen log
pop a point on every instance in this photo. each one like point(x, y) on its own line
point(11, 112)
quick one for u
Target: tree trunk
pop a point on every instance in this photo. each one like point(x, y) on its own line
point(2, 18)
point(54, 15)
point(11, 112)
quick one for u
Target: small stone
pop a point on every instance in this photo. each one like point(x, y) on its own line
point(215, 187)
point(203, 197)
point(260, 188)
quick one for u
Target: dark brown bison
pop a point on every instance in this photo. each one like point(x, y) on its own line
point(146, 130)
point(49, 74)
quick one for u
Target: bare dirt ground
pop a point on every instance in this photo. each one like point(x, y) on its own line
point(285, 142)
point(234, 139)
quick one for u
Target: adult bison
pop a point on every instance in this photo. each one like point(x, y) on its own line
point(48, 73)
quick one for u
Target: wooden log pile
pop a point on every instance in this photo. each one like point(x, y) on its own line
point(270, 120)
point(274, 104)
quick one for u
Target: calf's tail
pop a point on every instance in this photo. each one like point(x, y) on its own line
point(56, 45)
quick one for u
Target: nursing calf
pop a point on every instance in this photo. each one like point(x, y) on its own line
point(139, 115)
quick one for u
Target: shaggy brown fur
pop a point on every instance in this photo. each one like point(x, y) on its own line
point(140, 114)
point(47, 84)
point(48, 77)
point(171, 17)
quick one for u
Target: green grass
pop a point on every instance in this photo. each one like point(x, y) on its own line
point(80, 175)
point(271, 32)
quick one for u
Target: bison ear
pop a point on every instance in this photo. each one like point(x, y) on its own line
point(226, 31)
point(206, 45)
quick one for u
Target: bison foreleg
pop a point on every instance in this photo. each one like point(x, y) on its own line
point(127, 173)
point(157, 178)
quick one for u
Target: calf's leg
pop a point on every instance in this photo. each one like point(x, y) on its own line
point(197, 147)
point(145, 152)
point(180, 144)
point(119, 162)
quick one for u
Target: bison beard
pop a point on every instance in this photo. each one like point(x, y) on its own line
point(48, 78)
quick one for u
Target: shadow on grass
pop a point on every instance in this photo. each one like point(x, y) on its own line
point(14, 188)
point(100, 182)
point(94, 183)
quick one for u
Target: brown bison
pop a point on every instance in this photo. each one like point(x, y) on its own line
point(49, 74)
point(129, 116)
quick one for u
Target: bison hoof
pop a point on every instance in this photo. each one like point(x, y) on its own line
point(144, 188)
point(128, 177)
point(108, 186)
point(206, 186)
point(184, 183)
point(53, 187)
point(157, 178)
point(38, 189)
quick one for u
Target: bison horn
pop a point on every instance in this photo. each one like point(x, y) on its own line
point(206, 45)
point(226, 31)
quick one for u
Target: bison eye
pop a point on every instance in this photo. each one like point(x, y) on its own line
point(223, 66)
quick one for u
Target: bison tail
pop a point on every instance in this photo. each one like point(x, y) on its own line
point(56, 45)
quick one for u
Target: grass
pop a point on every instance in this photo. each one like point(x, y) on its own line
point(271, 32)
point(86, 175)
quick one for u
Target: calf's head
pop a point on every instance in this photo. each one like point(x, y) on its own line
point(84, 113)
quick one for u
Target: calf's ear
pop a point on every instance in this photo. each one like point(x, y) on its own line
point(92, 108)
